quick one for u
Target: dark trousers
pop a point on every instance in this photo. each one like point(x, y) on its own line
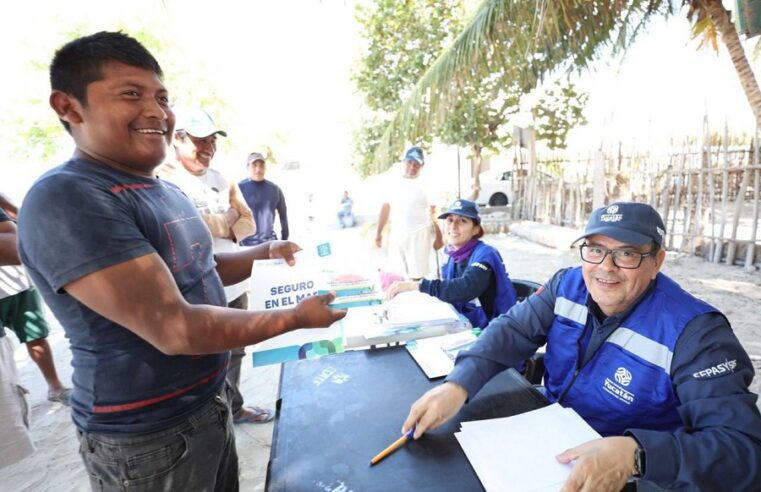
point(197, 454)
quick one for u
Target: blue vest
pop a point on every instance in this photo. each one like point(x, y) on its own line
point(627, 383)
point(505, 293)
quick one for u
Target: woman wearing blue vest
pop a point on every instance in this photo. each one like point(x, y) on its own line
point(474, 281)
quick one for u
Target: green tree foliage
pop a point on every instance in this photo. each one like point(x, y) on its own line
point(403, 39)
point(477, 119)
point(522, 42)
point(40, 136)
point(557, 112)
point(528, 40)
point(495, 61)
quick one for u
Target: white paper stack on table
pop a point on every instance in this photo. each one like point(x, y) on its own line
point(518, 452)
point(408, 316)
point(436, 355)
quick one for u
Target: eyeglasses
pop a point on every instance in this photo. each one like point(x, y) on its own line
point(622, 258)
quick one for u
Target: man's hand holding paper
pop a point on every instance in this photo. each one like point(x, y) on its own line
point(600, 465)
point(313, 312)
point(284, 250)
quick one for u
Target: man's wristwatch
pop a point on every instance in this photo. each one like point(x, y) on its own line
point(639, 462)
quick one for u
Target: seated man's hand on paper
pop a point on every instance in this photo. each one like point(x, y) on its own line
point(401, 286)
point(313, 312)
point(600, 465)
point(434, 408)
point(284, 250)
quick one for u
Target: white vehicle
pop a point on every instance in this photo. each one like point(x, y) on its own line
point(496, 188)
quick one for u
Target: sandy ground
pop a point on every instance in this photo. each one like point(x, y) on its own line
point(56, 465)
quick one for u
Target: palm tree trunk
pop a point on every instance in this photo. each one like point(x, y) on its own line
point(476, 187)
point(721, 19)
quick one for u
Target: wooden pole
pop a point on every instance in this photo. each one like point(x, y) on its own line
point(598, 199)
point(712, 203)
point(678, 180)
point(687, 246)
point(719, 246)
point(532, 168)
point(697, 227)
point(751, 252)
point(739, 200)
point(665, 192)
point(559, 202)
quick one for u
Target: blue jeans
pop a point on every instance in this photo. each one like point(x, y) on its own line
point(197, 454)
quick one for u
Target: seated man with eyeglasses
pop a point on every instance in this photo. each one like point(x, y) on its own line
point(657, 372)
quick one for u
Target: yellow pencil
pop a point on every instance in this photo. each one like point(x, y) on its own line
point(394, 446)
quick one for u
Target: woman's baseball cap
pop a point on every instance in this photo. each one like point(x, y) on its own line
point(464, 208)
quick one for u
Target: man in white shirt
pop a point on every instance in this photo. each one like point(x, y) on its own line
point(413, 228)
point(227, 216)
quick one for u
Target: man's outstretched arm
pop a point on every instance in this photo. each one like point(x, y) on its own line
point(141, 295)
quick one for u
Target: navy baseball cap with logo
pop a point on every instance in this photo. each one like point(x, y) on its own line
point(465, 208)
point(628, 222)
point(414, 154)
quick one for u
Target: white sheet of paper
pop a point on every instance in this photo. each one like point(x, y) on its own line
point(518, 452)
point(411, 308)
point(369, 325)
point(276, 285)
point(436, 355)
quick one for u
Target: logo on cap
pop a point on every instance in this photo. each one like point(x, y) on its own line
point(457, 205)
point(611, 214)
point(661, 232)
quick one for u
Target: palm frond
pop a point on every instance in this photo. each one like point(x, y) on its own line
point(521, 42)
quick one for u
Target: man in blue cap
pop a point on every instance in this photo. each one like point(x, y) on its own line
point(413, 226)
point(657, 372)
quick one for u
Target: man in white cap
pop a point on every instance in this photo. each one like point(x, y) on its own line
point(413, 223)
point(226, 215)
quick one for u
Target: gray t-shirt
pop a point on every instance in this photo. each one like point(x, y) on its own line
point(82, 217)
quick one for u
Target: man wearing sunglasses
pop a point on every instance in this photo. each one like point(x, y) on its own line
point(657, 372)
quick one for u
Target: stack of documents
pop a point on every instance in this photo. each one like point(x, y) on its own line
point(436, 355)
point(518, 452)
point(408, 316)
point(351, 291)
